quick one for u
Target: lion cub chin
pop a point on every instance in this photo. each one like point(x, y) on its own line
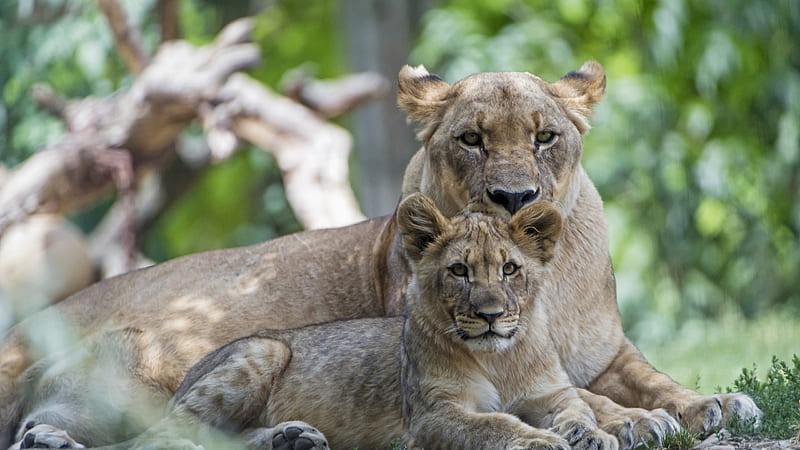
point(469, 366)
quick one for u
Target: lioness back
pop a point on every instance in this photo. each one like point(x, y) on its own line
point(469, 365)
point(187, 307)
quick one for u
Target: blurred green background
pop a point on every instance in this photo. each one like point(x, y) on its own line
point(695, 150)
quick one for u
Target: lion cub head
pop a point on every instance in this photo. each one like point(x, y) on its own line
point(475, 275)
point(500, 140)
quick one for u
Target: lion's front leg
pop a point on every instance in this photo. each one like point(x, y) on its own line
point(631, 381)
point(453, 426)
point(564, 412)
point(631, 426)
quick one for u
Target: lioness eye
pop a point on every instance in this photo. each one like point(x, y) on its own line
point(458, 270)
point(544, 137)
point(510, 268)
point(471, 138)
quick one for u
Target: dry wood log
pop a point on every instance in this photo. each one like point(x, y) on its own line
point(331, 98)
point(126, 36)
point(168, 15)
point(311, 153)
point(145, 120)
point(112, 141)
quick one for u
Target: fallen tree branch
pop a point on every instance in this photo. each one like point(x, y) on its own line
point(311, 153)
point(46, 97)
point(333, 97)
point(111, 246)
point(127, 38)
point(145, 120)
point(141, 125)
point(168, 19)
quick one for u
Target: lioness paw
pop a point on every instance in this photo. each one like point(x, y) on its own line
point(707, 413)
point(596, 439)
point(585, 436)
point(46, 436)
point(639, 426)
point(572, 430)
point(654, 426)
point(741, 407)
point(294, 435)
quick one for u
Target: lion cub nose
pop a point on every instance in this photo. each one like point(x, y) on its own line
point(489, 317)
point(513, 201)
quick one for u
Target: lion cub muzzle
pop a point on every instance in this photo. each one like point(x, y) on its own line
point(488, 327)
point(481, 324)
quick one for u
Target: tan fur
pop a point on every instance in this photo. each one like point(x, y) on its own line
point(507, 110)
point(426, 377)
point(192, 305)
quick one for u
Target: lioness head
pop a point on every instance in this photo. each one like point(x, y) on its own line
point(500, 140)
point(476, 274)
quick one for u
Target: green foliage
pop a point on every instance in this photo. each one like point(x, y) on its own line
point(682, 440)
point(705, 354)
point(398, 444)
point(292, 34)
point(696, 149)
point(778, 396)
point(240, 202)
point(65, 44)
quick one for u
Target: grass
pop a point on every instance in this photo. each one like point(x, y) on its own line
point(733, 354)
point(778, 396)
point(682, 440)
point(709, 355)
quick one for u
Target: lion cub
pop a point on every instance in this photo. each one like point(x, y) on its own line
point(470, 365)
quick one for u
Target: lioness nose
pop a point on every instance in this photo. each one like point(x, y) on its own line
point(489, 317)
point(513, 201)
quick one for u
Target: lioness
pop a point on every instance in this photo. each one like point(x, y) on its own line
point(494, 140)
point(469, 366)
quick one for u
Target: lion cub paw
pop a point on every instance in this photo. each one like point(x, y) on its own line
point(708, 413)
point(46, 436)
point(640, 426)
point(294, 435)
point(541, 440)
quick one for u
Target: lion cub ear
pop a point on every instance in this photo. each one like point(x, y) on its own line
point(535, 229)
point(420, 222)
point(579, 91)
point(419, 93)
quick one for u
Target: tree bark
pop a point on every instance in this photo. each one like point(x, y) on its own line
point(112, 141)
point(378, 35)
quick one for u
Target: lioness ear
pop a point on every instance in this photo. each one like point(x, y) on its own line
point(419, 93)
point(420, 222)
point(535, 229)
point(579, 91)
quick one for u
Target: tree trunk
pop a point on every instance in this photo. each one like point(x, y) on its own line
point(378, 37)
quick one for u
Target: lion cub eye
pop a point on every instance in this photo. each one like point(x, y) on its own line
point(510, 268)
point(545, 137)
point(458, 270)
point(471, 138)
